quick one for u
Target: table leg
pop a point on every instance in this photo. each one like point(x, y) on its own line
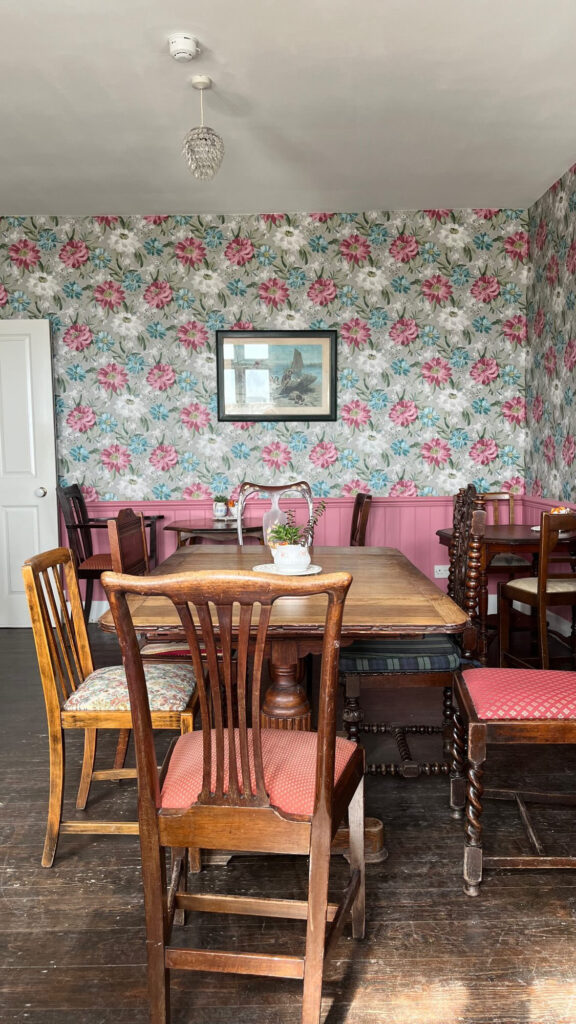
point(285, 705)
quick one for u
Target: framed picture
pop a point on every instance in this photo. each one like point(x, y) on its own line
point(276, 375)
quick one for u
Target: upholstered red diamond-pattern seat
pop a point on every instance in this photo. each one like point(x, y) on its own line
point(512, 693)
point(289, 769)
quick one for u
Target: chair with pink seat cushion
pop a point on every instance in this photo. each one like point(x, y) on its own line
point(241, 787)
point(506, 706)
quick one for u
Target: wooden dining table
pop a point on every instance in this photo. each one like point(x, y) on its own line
point(389, 597)
point(202, 528)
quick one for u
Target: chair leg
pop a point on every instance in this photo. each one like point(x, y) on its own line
point(458, 768)
point(122, 748)
point(154, 881)
point(316, 925)
point(55, 798)
point(90, 736)
point(88, 600)
point(352, 716)
point(447, 719)
point(543, 652)
point(504, 626)
point(473, 830)
point(357, 860)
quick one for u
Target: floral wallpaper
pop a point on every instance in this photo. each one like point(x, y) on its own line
point(551, 367)
point(429, 307)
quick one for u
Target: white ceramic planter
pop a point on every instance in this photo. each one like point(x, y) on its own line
point(291, 557)
point(219, 509)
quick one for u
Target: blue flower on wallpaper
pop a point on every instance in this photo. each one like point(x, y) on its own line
point(319, 325)
point(429, 417)
point(72, 290)
point(430, 335)
point(107, 423)
point(459, 438)
point(348, 379)
point(266, 256)
point(78, 453)
point(156, 329)
point(47, 240)
point(184, 298)
point(100, 258)
point(213, 238)
point(378, 400)
point(189, 462)
point(401, 285)
point(378, 234)
point(567, 490)
point(75, 372)
point(511, 293)
point(568, 396)
point(138, 444)
point(186, 381)
point(401, 367)
point(237, 287)
point(481, 484)
point(132, 281)
point(161, 492)
point(215, 321)
point(135, 364)
point(460, 357)
point(19, 301)
point(378, 318)
point(153, 247)
point(510, 376)
point(318, 244)
point(103, 341)
point(240, 451)
point(298, 442)
point(348, 296)
point(378, 480)
point(159, 412)
point(509, 456)
point(482, 325)
point(481, 407)
point(483, 242)
point(460, 274)
point(400, 448)
point(320, 489)
point(430, 253)
point(220, 483)
point(349, 459)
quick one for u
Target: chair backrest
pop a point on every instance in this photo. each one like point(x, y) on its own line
point(465, 559)
point(73, 506)
point(128, 548)
point(499, 507)
point(360, 514)
point(60, 635)
point(300, 487)
point(225, 616)
point(551, 525)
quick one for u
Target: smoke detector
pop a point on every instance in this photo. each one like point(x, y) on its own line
point(183, 46)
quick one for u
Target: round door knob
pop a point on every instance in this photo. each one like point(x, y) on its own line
point(40, 492)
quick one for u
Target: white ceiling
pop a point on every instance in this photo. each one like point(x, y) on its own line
point(335, 105)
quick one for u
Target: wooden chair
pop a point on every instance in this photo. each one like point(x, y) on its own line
point(546, 590)
point(127, 539)
point(506, 706)
point(500, 509)
point(88, 565)
point(77, 697)
point(250, 790)
point(360, 514)
point(420, 661)
point(247, 489)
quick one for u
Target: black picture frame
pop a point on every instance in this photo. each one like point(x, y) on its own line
point(276, 375)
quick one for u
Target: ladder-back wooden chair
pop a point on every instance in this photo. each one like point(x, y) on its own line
point(89, 566)
point(360, 515)
point(78, 697)
point(426, 661)
point(499, 507)
point(247, 789)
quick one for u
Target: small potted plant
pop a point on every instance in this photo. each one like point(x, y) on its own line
point(289, 543)
point(220, 506)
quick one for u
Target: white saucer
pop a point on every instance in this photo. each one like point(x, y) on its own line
point(310, 570)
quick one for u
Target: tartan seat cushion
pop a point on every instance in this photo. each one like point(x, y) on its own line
point(289, 759)
point(530, 586)
point(515, 693)
point(169, 689)
point(401, 654)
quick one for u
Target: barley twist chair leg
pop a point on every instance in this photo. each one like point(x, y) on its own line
point(458, 769)
point(473, 831)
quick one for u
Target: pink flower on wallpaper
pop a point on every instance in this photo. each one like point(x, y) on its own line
point(74, 254)
point(404, 488)
point(243, 325)
point(164, 457)
point(77, 337)
point(81, 418)
point(161, 377)
point(485, 288)
point(242, 425)
point(516, 329)
point(571, 259)
point(195, 416)
point(274, 292)
point(192, 335)
point(355, 332)
point(514, 410)
point(539, 322)
point(537, 408)
point(324, 454)
point(106, 221)
point(190, 252)
point(24, 254)
point(156, 218)
point(438, 215)
point(239, 251)
point(570, 354)
point(273, 218)
point(541, 234)
point(436, 371)
point(90, 493)
point(404, 331)
point(196, 490)
point(486, 214)
point(403, 413)
point(550, 361)
point(3, 295)
point(437, 289)
point(355, 413)
point(109, 295)
point(404, 248)
point(158, 294)
point(484, 451)
point(354, 487)
point(276, 455)
point(549, 449)
point(517, 246)
point(515, 485)
point(355, 249)
point(435, 452)
point(485, 371)
point(321, 218)
point(537, 489)
point(113, 378)
point(115, 458)
point(552, 268)
point(569, 449)
point(322, 291)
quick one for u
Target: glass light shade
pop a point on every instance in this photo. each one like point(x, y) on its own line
point(203, 149)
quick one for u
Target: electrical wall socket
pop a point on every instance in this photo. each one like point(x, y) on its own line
point(441, 572)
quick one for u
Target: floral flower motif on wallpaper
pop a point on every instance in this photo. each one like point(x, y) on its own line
point(429, 307)
point(551, 369)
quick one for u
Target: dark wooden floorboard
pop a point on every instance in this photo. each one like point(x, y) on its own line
point(72, 938)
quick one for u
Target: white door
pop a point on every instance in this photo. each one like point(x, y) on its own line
point(28, 509)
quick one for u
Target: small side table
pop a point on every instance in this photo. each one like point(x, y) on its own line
point(215, 530)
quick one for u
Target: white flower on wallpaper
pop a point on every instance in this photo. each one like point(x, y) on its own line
point(429, 307)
